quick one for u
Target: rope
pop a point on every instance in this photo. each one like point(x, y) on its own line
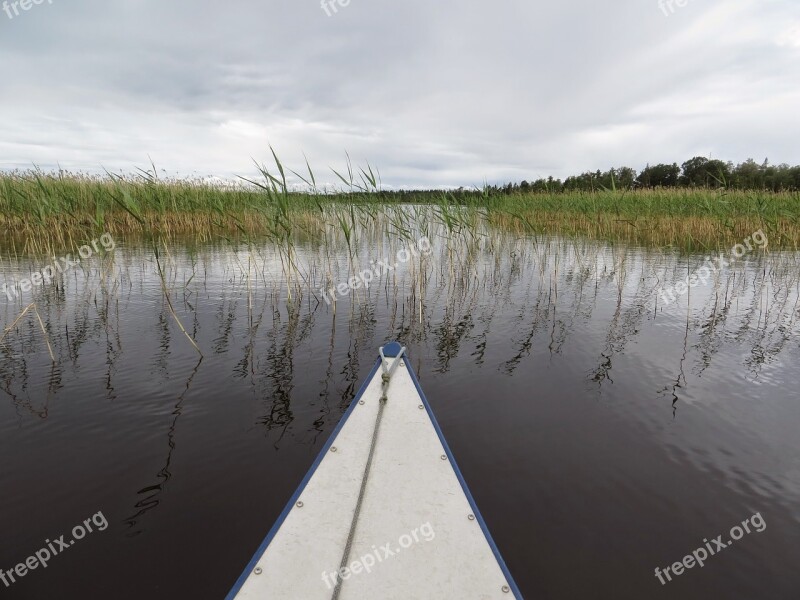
point(386, 378)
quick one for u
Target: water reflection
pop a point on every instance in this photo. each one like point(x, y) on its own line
point(552, 359)
point(477, 296)
point(148, 496)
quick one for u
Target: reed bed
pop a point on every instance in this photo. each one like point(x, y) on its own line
point(687, 219)
point(44, 213)
point(451, 296)
point(264, 255)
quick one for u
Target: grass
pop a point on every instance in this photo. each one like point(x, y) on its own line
point(45, 213)
point(688, 219)
point(302, 243)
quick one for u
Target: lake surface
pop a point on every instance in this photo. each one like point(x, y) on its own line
point(602, 432)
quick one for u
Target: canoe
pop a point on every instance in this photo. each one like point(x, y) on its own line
point(383, 513)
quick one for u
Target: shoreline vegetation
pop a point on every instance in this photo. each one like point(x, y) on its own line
point(306, 243)
point(42, 213)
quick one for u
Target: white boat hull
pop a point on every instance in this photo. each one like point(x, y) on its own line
point(418, 533)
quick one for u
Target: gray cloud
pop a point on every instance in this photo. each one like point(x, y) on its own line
point(445, 93)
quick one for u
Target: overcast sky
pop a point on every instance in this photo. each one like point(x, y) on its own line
point(433, 93)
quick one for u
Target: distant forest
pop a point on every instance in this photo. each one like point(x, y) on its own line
point(696, 172)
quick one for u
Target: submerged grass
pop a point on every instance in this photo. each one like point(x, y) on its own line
point(44, 213)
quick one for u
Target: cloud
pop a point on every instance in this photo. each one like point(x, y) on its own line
point(434, 94)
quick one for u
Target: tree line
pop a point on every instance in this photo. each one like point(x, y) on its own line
point(696, 172)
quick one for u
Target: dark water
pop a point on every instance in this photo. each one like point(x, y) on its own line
point(602, 433)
